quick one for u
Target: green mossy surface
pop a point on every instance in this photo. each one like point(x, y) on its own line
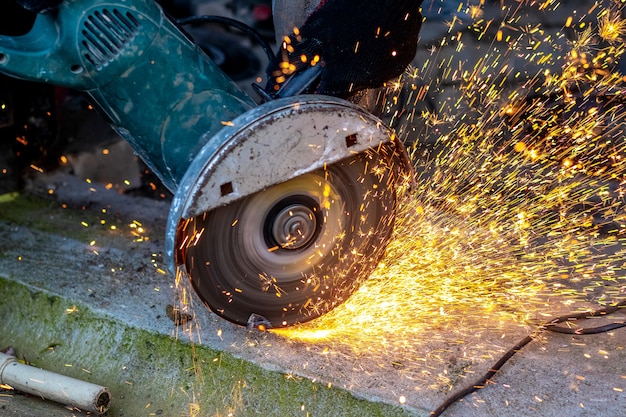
point(82, 223)
point(37, 213)
point(153, 374)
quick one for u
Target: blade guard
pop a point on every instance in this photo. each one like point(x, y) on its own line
point(268, 145)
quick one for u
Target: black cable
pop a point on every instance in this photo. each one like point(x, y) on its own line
point(234, 23)
point(587, 330)
point(482, 382)
point(549, 326)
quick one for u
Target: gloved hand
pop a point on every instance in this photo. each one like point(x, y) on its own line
point(357, 44)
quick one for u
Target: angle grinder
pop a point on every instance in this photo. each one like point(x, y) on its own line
point(280, 210)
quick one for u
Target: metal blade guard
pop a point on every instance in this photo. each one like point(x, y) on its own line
point(280, 210)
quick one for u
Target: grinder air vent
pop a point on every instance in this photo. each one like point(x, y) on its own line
point(105, 33)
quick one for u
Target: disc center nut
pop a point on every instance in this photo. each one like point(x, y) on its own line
point(295, 226)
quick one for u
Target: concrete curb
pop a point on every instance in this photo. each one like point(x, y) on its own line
point(155, 374)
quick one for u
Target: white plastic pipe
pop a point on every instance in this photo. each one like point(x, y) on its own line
point(52, 386)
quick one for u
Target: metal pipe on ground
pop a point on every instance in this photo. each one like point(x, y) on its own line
point(52, 386)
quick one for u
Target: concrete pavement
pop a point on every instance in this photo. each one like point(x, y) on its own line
point(84, 299)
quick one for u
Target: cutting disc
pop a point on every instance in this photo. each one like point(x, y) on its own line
point(297, 249)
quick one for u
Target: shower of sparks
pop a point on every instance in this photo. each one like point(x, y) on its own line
point(518, 213)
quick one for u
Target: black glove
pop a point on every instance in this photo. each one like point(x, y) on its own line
point(354, 44)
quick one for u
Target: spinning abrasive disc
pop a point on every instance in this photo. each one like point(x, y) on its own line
point(291, 213)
